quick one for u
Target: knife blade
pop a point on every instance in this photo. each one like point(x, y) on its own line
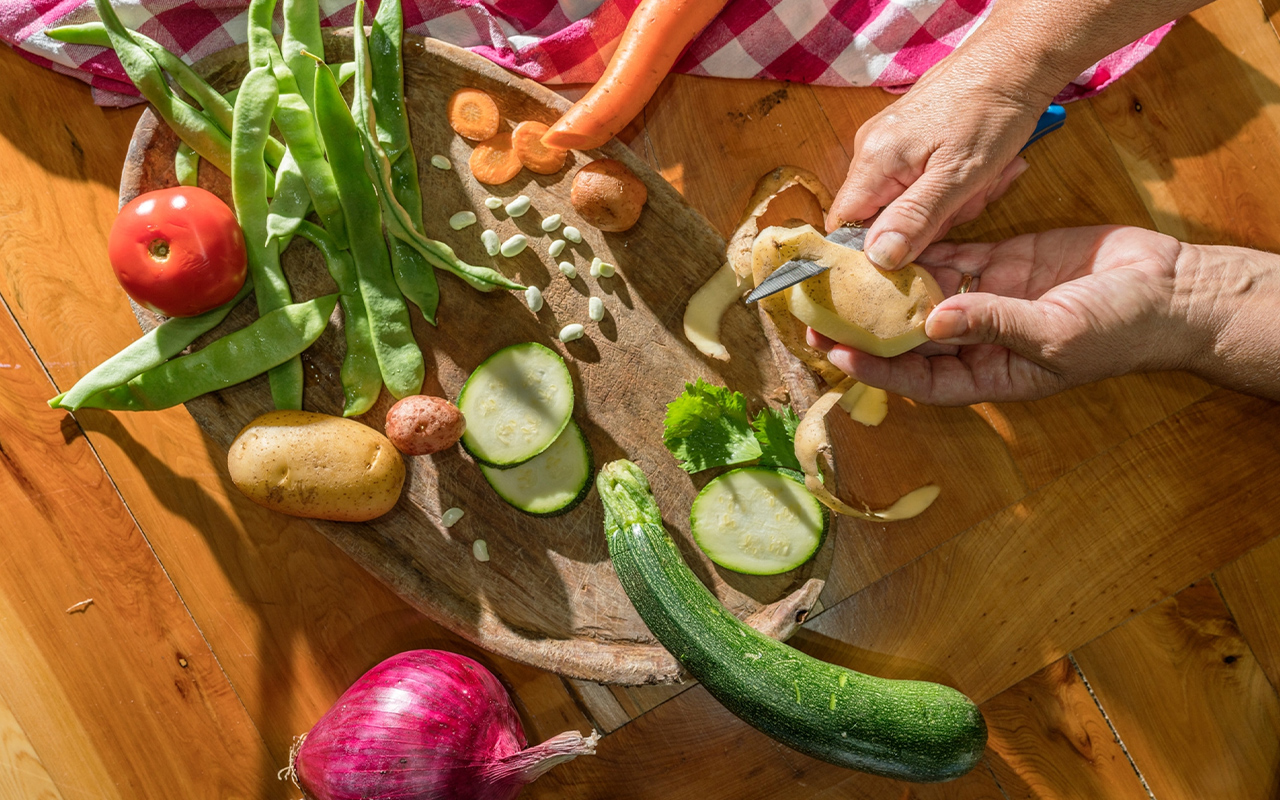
point(799, 270)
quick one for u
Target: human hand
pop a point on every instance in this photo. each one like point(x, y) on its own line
point(936, 157)
point(1045, 312)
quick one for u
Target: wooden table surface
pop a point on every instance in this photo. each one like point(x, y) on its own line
point(1107, 587)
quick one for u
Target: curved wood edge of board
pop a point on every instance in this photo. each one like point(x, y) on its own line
point(549, 596)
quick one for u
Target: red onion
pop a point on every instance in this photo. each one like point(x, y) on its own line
point(426, 725)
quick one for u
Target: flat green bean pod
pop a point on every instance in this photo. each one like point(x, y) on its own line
point(192, 126)
point(163, 342)
point(361, 377)
point(291, 202)
point(293, 116)
point(415, 276)
point(271, 340)
point(186, 165)
point(302, 36)
point(399, 358)
point(255, 104)
point(378, 165)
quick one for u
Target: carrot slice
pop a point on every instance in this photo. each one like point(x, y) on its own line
point(527, 142)
point(494, 161)
point(473, 114)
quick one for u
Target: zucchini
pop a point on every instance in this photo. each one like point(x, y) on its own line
point(516, 403)
point(758, 520)
point(550, 484)
point(910, 730)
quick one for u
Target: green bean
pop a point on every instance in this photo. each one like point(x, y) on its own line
point(270, 341)
point(293, 116)
point(216, 106)
point(291, 202)
point(302, 33)
point(343, 72)
point(361, 376)
point(416, 278)
point(164, 341)
point(254, 106)
point(186, 165)
point(378, 165)
point(399, 358)
point(192, 126)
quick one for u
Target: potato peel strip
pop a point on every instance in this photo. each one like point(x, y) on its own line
point(812, 439)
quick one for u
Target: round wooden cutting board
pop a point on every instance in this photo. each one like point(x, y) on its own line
point(548, 596)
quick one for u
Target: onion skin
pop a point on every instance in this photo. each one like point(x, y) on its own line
point(425, 725)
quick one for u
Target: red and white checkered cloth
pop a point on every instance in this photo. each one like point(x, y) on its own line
point(888, 43)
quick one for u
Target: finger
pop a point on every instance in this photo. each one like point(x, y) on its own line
point(911, 222)
point(937, 380)
point(817, 341)
point(867, 188)
point(1026, 327)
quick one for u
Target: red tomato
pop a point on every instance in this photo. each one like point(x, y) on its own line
point(179, 252)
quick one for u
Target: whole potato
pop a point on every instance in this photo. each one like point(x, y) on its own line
point(314, 465)
point(419, 425)
point(608, 195)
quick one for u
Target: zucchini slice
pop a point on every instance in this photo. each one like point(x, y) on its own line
point(759, 520)
point(516, 403)
point(905, 729)
point(551, 483)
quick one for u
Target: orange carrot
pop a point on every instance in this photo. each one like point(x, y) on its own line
point(526, 140)
point(655, 37)
point(473, 114)
point(494, 161)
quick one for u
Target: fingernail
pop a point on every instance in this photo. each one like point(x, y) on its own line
point(946, 326)
point(889, 250)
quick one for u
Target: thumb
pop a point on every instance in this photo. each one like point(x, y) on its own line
point(911, 222)
point(1023, 326)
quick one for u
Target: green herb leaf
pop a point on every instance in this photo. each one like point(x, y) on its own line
point(776, 433)
point(707, 427)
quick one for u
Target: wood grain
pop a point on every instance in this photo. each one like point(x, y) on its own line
point(124, 694)
point(1049, 741)
point(22, 775)
point(1070, 561)
point(1189, 700)
point(1250, 586)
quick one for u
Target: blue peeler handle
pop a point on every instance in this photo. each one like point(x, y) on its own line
point(1054, 117)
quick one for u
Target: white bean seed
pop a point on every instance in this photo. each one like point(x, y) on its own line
point(557, 247)
point(451, 517)
point(493, 203)
point(551, 223)
point(519, 206)
point(533, 296)
point(595, 267)
point(595, 309)
point(492, 244)
point(607, 270)
point(463, 219)
point(514, 246)
point(480, 549)
point(573, 234)
point(440, 162)
point(570, 332)
point(569, 270)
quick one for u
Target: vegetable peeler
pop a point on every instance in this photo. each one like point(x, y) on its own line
point(852, 235)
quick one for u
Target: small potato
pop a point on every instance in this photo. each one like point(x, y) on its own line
point(608, 195)
point(314, 465)
point(419, 425)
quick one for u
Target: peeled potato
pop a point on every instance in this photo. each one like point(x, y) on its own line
point(314, 465)
point(854, 302)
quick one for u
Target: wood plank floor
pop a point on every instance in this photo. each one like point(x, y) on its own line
point(1102, 572)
